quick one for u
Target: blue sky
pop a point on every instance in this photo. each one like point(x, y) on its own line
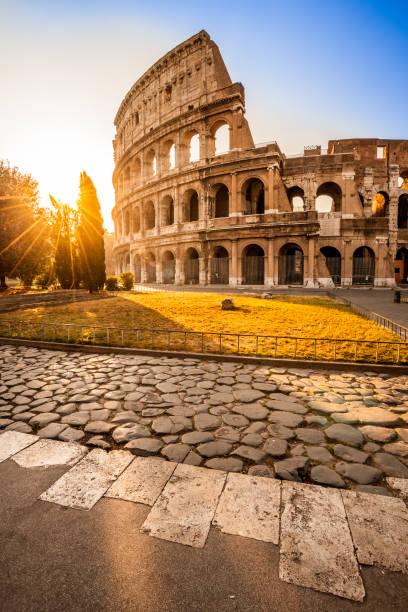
point(312, 71)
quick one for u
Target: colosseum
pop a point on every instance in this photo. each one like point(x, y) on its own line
point(197, 202)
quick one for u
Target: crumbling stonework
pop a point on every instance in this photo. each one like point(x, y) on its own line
point(198, 202)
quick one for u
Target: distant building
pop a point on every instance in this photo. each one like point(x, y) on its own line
point(198, 202)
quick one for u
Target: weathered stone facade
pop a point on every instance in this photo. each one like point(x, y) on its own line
point(194, 208)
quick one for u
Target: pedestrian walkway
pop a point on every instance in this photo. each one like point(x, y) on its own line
point(380, 301)
point(323, 534)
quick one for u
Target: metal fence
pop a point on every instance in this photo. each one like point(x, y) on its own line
point(324, 349)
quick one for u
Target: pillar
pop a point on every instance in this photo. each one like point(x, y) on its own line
point(309, 279)
point(347, 268)
point(235, 272)
point(269, 264)
point(235, 201)
point(202, 278)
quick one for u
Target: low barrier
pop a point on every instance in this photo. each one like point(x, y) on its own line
point(224, 343)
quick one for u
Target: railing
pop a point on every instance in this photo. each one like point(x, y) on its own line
point(326, 349)
point(396, 328)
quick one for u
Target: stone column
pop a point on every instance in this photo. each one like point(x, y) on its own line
point(159, 269)
point(234, 273)
point(347, 267)
point(234, 203)
point(309, 280)
point(143, 271)
point(202, 271)
point(269, 264)
point(270, 206)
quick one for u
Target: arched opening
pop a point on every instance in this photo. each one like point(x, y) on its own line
point(363, 266)
point(194, 148)
point(380, 204)
point(169, 155)
point(137, 269)
point(168, 210)
point(403, 180)
point(290, 268)
point(333, 263)
point(136, 220)
point(221, 202)
point(253, 265)
point(328, 198)
point(151, 164)
point(296, 197)
point(220, 266)
point(361, 197)
point(169, 268)
point(150, 268)
point(127, 223)
point(403, 211)
point(222, 139)
point(136, 173)
point(253, 193)
point(401, 266)
point(191, 267)
point(150, 216)
point(191, 205)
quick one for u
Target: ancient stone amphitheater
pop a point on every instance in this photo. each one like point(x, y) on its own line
point(198, 202)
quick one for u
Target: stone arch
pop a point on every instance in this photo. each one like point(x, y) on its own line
point(149, 215)
point(192, 146)
point(401, 266)
point(169, 156)
point(136, 171)
point(403, 211)
point(167, 210)
point(221, 200)
point(151, 163)
point(220, 266)
point(363, 266)
point(296, 197)
point(328, 197)
point(253, 266)
point(380, 204)
point(168, 267)
point(137, 268)
point(191, 267)
point(191, 205)
point(220, 137)
point(333, 263)
point(253, 197)
point(403, 179)
point(150, 261)
point(136, 220)
point(290, 264)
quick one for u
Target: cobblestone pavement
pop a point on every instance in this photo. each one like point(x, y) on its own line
point(323, 534)
point(344, 430)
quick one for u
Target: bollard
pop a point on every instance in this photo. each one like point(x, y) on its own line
point(397, 296)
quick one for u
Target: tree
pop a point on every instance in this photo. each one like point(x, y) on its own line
point(24, 227)
point(90, 236)
point(66, 266)
point(128, 280)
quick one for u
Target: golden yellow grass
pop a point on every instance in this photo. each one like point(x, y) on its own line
point(302, 317)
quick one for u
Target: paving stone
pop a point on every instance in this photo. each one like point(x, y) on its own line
point(171, 424)
point(88, 480)
point(288, 468)
point(276, 430)
point(99, 415)
point(20, 426)
point(327, 407)
point(248, 395)
point(252, 440)
point(276, 448)
point(12, 442)
point(71, 435)
point(390, 465)
point(66, 409)
point(130, 431)
point(286, 406)
point(316, 549)
point(287, 419)
point(396, 448)
point(320, 454)
point(220, 398)
point(324, 475)
point(250, 453)
point(175, 452)
point(349, 454)
point(76, 418)
point(344, 433)
point(142, 481)
point(44, 418)
point(205, 422)
point(144, 447)
point(47, 453)
point(5, 422)
point(193, 459)
point(249, 507)
point(316, 419)
point(375, 416)
point(403, 433)
point(374, 490)
point(379, 526)
point(378, 434)
point(311, 436)
point(197, 437)
point(362, 474)
point(371, 447)
point(52, 430)
point(125, 416)
point(262, 471)
point(228, 434)
point(214, 449)
point(255, 427)
point(99, 427)
point(185, 508)
point(99, 442)
point(235, 420)
point(400, 485)
point(253, 412)
point(226, 464)
point(186, 411)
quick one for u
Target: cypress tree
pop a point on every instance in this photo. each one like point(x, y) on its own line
point(65, 257)
point(90, 236)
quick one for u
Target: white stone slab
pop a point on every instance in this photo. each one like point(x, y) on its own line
point(379, 526)
point(316, 549)
point(400, 485)
point(46, 453)
point(142, 481)
point(12, 442)
point(249, 506)
point(88, 480)
point(185, 508)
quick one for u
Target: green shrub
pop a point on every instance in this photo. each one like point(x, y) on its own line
point(127, 280)
point(111, 283)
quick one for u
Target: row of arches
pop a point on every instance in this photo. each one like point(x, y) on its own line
point(290, 265)
point(155, 161)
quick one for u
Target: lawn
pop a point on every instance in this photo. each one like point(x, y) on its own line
point(302, 317)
